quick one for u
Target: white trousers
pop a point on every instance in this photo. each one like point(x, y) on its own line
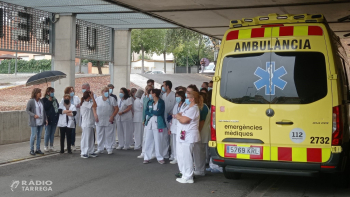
point(185, 159)
point(125, 133)
point(104, 137)
point(154, 139)
point(87, 141)
point(114, 134)
point(173, 145)
point(145, 131)
point(138, 134)
point(199, 157)
point(166, 142)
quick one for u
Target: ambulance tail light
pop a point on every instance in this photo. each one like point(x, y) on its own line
point(337, 131)
point(213, 124)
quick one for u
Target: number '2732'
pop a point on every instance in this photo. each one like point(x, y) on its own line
point(319, 140)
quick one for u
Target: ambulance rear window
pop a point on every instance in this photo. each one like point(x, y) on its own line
point(274, 78)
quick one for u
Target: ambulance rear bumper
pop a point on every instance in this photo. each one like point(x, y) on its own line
point(277, 167)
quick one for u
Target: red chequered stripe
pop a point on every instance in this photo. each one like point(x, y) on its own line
point(284, 154)
point(286, 31)
point(232, 35)
point(229, 154)
point(315, 31)
point(314, 154)
point(258, 32)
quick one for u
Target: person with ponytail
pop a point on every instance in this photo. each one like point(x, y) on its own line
point(87, 124)
point(187, 135)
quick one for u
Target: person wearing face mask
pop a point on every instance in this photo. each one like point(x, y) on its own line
point(210, 85)
point(155, 127)
point(169, 100)
point(37, 119)
point(51, 109)
point(150, 82)
point(106, 110)
point(111, 88)
point(137, 119)
point(145, 101)
point(87, 125)
point(180, 103)
point(125, 128)
point(66, 121)
point(74, 100)
point(187, 135)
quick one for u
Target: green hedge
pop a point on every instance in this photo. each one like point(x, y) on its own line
point(31, 66)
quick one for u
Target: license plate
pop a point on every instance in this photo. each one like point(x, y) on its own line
point(243, 150)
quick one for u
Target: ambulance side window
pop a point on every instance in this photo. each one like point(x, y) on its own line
point(346, 76)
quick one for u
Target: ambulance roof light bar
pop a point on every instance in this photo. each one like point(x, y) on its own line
point(277, 19)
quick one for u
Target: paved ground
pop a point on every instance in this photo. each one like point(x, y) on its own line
point(180, 79)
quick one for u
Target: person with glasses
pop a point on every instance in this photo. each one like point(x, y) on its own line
point(37, 119)
point(187, 135)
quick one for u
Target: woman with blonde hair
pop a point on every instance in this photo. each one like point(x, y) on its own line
point(37, 119)
point(187, 135)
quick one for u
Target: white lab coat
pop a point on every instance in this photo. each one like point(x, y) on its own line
point(62, 121)
point(173, 129)
point(138, 125)
point(87, 125)
point(125, 128)
point(169, 101)
point(76, 101)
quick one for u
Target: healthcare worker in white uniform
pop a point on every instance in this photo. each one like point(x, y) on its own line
point(137, 119)
point(107, 109)
point(169, 100)
point(180, 101)
point(125, 128)
point(188, 134)
point(155, 127)
point(87, 124)
point(111, 88)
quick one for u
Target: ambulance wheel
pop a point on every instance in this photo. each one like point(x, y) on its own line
point(342, 179)
point(231, 175)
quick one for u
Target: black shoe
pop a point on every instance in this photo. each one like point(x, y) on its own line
point(32, 152)
point(178, 175)
point(69, 152)
point(39, 152)
point(62, 151)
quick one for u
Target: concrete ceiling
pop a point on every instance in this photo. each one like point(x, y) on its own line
point(211, 17)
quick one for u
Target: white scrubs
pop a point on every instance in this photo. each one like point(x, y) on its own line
point(153, 138)
point(169, 101)
point(104, 129)
point(185, 146)
point(173, 125)
point(138, 126)
point(125, 128)
point(87, 125)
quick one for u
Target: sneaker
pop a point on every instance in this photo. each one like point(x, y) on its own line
point(208, 169)
point(131, 147)
point(128, 148)
point(93, 155)
point(199, 173)
point(52, 149)
point(178, 175)
point(181, 180)
point(119, 148)
point(99, 152)
point(110, 152)
point(46, 149)
point(171, 158)
point(140, 156)
point(146, 161)
point(69, 152)
point(39, 152)
point(32, 152)
point(73, 148)
point(84, 156)
point(173, 161)
point(61, 152)
point(153, 157)
point(161, 162)
point(138, 148)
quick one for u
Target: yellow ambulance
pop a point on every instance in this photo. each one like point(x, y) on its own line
point(281, 98)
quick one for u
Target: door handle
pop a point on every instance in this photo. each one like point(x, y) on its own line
point(285, 123)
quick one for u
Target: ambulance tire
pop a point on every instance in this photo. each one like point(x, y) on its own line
point(231, 175)
point(342, 180)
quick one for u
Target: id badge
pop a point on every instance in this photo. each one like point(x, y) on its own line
point(160, 130)
point(183, 135)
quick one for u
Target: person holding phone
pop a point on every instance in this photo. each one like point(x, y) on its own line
point(187, 135)
point(107, 109)
point(155, 127)
point(51, 109)
point(37, 119)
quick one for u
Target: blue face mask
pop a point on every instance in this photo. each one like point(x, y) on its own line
point(209, 88)
point(71, 94)
point(187, 101)
point(163, 89)
point(110, 91)
point(106, 94)
point(52, 94)
point(186, 95)
point(121, 95)
point(150, 97)
point(178, 99)
point(83, 90)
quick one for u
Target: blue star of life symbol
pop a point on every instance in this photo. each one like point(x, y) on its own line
point(270, 78)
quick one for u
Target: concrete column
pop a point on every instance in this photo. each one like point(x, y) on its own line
point(122, 63)
point(64, 52)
